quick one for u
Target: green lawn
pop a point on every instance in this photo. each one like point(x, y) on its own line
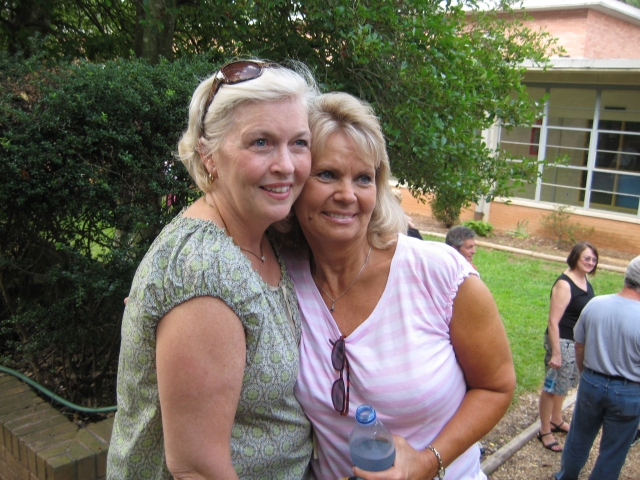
point(521, 287)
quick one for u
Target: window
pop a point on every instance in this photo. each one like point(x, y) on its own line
point(601, 166)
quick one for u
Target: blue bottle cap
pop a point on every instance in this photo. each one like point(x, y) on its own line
point(365, 414)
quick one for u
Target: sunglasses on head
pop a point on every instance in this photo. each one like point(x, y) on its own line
point(232, 73)
point(340, 390)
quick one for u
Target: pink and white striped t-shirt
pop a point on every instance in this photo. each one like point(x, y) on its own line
point(401, 358)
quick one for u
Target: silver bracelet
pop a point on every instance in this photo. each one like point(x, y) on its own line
point(441, 469)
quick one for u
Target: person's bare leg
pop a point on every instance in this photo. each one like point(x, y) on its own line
point(546, 406)
point(556, 414)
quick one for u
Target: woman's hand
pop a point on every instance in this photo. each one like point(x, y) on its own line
point(410, 464)
point(556, 361)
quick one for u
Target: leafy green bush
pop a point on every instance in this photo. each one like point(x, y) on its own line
point(481, 228)
point(87, 168)
point(560, 224)
point(445, 212)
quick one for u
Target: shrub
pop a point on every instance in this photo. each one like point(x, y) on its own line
point(87, 166)
point(481, 228)
point(520, 231)
point(560, 224)
point(444, 212)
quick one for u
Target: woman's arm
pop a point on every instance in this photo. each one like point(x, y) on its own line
point(200, 359)
point(560, 298)
point(482, 350)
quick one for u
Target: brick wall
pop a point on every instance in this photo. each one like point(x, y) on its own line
point(609, 37)
point(39, 443)
point(620, 236)
point(616, 235)
point(586, 33)
point(569, 26)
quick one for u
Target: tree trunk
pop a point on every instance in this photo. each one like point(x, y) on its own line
point(155, 25)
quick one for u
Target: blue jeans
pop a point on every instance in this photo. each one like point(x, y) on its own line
point(610, 403)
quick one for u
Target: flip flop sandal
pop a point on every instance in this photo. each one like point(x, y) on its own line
point(551, 445)
point(556, 428)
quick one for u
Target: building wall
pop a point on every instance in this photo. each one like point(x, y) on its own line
point(609, 37)
point(619, 236)
point(586, 33)
point(569, 26)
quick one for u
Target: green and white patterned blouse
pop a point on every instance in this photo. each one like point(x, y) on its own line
point(271, 436)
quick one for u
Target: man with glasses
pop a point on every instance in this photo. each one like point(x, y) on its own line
point(607, 344)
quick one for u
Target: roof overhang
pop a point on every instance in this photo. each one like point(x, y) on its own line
point(613, 8)
point(591, 64)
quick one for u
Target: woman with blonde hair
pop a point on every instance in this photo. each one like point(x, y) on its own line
point(210, 334)
point(401, 324)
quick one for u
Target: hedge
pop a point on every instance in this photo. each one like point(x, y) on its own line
point(87, 168)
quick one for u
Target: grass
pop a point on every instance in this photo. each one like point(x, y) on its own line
point(521, 286)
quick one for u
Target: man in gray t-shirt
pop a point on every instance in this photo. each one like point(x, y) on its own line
point(607, 343)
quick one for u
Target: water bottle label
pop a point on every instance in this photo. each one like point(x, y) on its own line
point(550, 380)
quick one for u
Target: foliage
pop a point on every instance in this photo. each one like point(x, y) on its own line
point(87, 147)
point(436, 80)
point(521, 230)
point(560, 224)
point(481, 228)
point(86, 169)
point(635, 3)
point(444, 212)
point(436, 74)
point(96, 30)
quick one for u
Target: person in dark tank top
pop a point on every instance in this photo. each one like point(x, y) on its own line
point(570, 293)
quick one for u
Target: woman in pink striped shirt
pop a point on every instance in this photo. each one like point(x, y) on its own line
point(412, 329)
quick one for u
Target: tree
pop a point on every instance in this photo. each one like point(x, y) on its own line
point(435, 78)
point(87, 167)
point(92, 29)
point(634, 3)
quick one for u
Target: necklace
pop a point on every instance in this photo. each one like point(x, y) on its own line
point(259, 257)
point(334, 300)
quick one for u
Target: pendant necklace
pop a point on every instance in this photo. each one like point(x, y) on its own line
point(334, 300)
point(259, 257)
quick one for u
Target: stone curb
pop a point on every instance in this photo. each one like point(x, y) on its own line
point(496, 460)
point(529, 253)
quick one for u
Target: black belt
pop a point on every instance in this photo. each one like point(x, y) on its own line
point(611, 377)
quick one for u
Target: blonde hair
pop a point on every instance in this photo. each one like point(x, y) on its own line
point(207, 130)
point(340, 112)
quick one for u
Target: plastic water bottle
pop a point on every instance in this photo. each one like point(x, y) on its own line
point(550, 380)
point(371, 444)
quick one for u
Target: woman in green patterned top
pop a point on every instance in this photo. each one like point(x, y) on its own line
point(209, 354)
